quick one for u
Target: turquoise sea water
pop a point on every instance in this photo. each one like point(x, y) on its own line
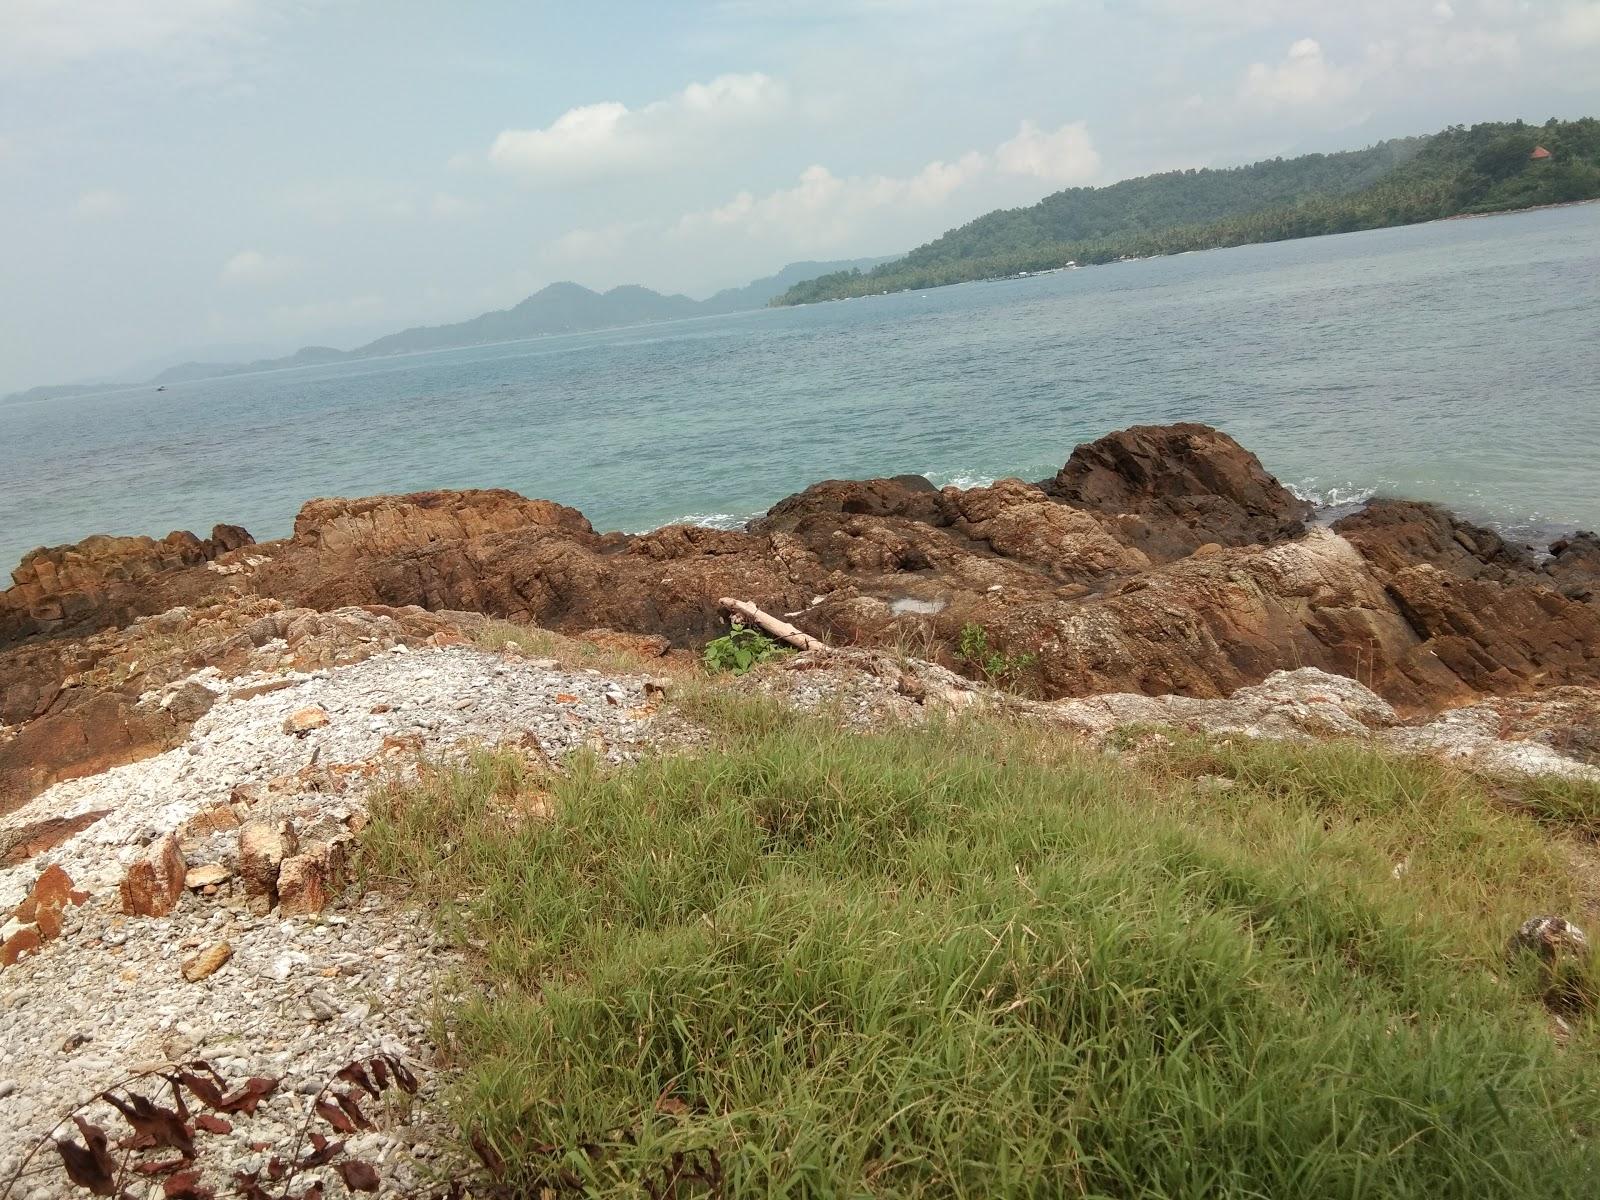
point(1458, 362)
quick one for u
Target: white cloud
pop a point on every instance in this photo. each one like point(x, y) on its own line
point(1304, 77)
point(1444, 11)
point(39, 35)
point(1575, 24)
point(1064, 157)
point(100, 203)
point(824, 211)
point(611, 139)
point(1432, 50)
point(254, 267)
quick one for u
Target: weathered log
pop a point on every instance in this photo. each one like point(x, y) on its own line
point(781, 630)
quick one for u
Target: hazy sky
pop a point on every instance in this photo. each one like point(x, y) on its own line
point(184, 174)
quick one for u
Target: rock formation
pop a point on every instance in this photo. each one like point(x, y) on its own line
point(1157, 560)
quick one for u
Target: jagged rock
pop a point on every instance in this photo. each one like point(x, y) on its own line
point(21, 844)
point(106, 580)
point(206, 962)
point(308, 881)
point(85, 735)
point(303, 721)
point(909, 496)
point(154, 883)
point(1396, 534)
point(1159, 559)
point(263, 847)
point(1191, 485)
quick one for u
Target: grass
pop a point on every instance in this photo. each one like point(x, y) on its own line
point(530, 641)
point(971, 960)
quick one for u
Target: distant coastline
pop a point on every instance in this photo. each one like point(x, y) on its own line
point(556, 310)
point(1489, 169)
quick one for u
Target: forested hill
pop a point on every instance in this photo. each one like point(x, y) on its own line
point(1459, 170)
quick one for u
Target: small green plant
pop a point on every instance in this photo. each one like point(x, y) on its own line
point(740, 649)
point(1001, 670)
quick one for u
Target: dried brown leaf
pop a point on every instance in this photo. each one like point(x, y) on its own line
point(165, 1167)
point(403, 1076)
point(352, 1109)
point(256, 1089)
point(322, 1152)
point(213, 1124)
point(333, 1115)
point(246, 1184)
point(355, 1073)
point(90, 1165)
point(358, 1176)
point(186, 1185)
point(380, 1072)
point(490, 1157)
point(207, 1091)
point(151, 1120)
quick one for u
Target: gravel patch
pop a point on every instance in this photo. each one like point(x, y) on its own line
point(299, 997)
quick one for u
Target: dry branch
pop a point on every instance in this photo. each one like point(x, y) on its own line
point(779, 629)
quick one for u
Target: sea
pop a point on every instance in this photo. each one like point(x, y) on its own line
point(1457, 362)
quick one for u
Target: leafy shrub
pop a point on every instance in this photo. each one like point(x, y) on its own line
point(740, 649)
point(1002, 670)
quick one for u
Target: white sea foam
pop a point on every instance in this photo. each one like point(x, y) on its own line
point(709, 520)
point(960, 479)
point(1333, 495)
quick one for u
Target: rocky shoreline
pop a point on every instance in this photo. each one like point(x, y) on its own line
point(190, 727)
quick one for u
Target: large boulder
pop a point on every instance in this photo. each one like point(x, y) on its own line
point(1191, 485)
point(104, 581)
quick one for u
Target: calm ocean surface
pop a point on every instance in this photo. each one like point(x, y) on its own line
point(1457, 362)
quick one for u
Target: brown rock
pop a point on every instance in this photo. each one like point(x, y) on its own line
point(206, 875)
point(263, 847)
point(219, 818)
point(154, 884)
point(84, 735)
point(1191, 484)
point(309, 880)
point(197, 966)
point(303, 721)
point(38, 836)
point(53, 889)
point(1157, 560)
point(103, 581)
point(1397, 534)
point(26, 940)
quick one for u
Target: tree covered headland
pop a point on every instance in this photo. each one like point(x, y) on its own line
point(1485, 168)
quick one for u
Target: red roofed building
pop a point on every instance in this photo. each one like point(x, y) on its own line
point(1539, 154)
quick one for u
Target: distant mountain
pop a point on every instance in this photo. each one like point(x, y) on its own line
point(764, 291)
point(559, 308)
point(1488, 168)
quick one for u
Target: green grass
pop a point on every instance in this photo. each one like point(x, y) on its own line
point(972, 961)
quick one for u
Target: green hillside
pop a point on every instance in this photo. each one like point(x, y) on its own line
point(1398, 182)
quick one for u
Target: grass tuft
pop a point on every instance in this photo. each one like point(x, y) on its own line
point(974, 961)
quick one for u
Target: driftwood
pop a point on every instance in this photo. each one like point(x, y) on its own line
point(749, 614)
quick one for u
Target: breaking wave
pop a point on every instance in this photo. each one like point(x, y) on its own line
point(709, 520)
point(1332, 495)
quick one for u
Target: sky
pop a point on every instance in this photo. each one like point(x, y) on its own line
point(232, 178)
